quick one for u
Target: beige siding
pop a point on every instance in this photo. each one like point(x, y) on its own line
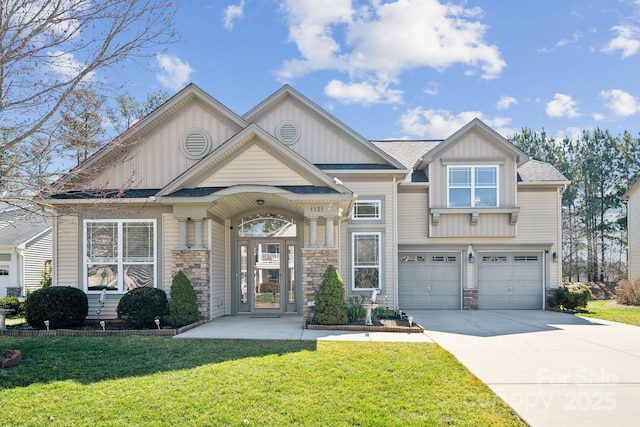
point(36, 253)
point(413, 217)
point(254, 166)
point(158, 160)
point(471, 149)
point(170, 240)
point(459, 225)
point(319, 141)
point(538, 221)
point(69, 243)
point(218, 262)
point(633, 222)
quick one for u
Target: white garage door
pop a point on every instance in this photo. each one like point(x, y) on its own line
point(510, 281)
point(4, 280)
point(429, 281)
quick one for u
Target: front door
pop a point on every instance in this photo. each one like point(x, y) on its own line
point(266, 276)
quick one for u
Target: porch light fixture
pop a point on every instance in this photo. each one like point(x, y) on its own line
point(471, 258)
point(554, 257)
point(260, 202)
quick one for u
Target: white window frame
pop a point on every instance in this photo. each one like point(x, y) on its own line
point(353, 259)
point(119, 262)
point(375, 202)
point(473, 186)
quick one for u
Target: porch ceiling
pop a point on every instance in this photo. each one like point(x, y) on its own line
point(232, 205)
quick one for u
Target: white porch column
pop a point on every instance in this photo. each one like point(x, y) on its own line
point(313, 232)
point(329, 233)
point(182, 232)
point(198, 232)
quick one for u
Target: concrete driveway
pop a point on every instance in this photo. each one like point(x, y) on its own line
point(554, 369)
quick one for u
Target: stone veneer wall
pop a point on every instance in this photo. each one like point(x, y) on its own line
point(195, 265)
point(469, 299)
point(314, 264)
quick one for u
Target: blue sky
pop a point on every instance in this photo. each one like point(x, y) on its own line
point(416, 68)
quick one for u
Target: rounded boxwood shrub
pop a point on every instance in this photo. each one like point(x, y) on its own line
point(140, 307)
point(183, 306)
point(62, 306)
point(572, 296)
point(330, 306)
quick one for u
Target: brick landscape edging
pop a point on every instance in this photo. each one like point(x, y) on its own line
point(414, 329)
point(108, 333)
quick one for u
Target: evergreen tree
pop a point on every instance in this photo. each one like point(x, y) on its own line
point(331, 307)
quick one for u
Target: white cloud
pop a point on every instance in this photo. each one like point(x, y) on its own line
point(174, 73)
point(432, 89)
point(506, 102)
point(231, 13)
point(562, 106)
point(620, 102)
point(628, 41)
point(598, 117)
point(377, 42)
point(65, 65)
point(440, 124)
point(361, 93)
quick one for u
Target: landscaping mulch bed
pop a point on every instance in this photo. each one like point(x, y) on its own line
point(379, 325)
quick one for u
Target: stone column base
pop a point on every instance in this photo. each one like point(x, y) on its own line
point(194, 263)
point(469, 299)
point(314, 264)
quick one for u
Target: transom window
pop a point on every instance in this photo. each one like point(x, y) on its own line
point(472, 186)
point(367, 210)
point(119, 254)
point(366, 258)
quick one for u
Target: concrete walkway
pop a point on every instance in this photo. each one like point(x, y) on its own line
point(287, 328)
point(554, 369)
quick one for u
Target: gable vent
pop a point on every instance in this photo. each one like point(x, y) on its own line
point(287, 132)
point(195, 143)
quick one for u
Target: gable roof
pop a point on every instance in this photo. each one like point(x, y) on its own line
point(249, 136)
point(18, 228)
point(477, 125)
point(105, 156)
point(288, 91)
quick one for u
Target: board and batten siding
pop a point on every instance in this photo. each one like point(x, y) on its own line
point(158, 160)
point(254, 166)
point(35, 254)
point(218, 263)
point(67, 255)
point(320, 141)
point(471, 150)
point(633, 223)
point(413, 217)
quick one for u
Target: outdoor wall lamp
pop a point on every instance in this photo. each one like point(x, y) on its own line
point(260, 202)
point(471, 258)
point(554, 257)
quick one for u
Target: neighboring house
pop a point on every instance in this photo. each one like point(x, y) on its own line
point(253, 208)
point(25, 250)
point(632, 198)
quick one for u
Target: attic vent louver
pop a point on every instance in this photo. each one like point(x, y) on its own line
point(195, 143)
point(287, 132)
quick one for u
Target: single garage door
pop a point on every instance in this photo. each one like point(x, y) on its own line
point(510, 281)
point(429, 281)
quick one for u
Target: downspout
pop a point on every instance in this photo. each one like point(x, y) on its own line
point(396, 294)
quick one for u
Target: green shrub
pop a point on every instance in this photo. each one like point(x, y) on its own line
point(572, 296)
point(62, 306)
point(183, 306)
point(628, 292)
point(12, 303)
point(330, 306)
point(140, 307)
point(355, 312)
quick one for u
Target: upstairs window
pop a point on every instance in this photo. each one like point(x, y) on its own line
point(472, 186)
point(367, 210)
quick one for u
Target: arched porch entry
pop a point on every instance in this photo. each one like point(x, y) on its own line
point(267, 263)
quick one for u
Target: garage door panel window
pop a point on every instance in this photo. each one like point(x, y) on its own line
point(366, 256)
point(472, 186)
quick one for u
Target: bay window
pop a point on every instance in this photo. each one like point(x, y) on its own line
point(119, 254)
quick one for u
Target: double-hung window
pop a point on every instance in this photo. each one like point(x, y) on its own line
point(119, 254)
point(472, 186)
point(366, 258)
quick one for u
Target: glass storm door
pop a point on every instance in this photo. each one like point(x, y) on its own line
point(267, 276)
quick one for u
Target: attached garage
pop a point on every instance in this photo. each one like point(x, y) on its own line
point(429, 281)
point(510, 281)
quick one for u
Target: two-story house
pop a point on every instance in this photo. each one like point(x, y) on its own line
point(253, 208)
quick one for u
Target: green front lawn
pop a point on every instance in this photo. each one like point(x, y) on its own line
point(160, 381)
point(601, 309)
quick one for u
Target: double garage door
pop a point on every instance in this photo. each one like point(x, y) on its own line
point(433, 281)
